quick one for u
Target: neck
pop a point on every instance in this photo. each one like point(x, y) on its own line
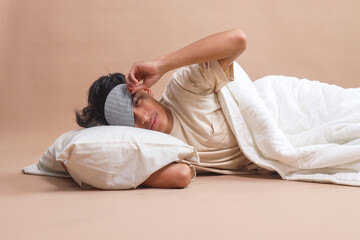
point(170, 118)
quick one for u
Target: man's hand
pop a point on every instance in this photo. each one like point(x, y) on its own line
point(143, 75)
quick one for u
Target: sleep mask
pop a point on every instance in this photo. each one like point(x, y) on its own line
point(118, 107)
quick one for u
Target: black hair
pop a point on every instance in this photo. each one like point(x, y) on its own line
point(93, 114)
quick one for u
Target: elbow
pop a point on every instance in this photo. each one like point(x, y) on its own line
point(239, 39)
point(183, 177)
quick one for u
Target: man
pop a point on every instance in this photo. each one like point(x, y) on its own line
point(188, 110)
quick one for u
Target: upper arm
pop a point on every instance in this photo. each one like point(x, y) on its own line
point(238, 43)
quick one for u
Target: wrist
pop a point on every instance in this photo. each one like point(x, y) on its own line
point(163, 64)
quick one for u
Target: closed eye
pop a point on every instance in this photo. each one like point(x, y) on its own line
point(137, 100)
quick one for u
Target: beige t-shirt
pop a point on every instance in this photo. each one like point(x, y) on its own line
point(191, 95)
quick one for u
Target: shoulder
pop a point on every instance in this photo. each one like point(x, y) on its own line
point(202, 78)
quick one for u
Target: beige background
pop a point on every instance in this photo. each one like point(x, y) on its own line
point(52, 50)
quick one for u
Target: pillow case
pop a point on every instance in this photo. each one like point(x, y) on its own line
point(47, 161)
point(115, 157)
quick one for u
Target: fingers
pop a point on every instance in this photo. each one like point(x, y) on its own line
point(133, 84)
point(142, 75)
point(134, 79)
point(131, 81)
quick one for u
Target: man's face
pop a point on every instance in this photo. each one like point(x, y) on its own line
point(150, 114)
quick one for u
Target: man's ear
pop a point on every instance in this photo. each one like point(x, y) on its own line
point(148, 91)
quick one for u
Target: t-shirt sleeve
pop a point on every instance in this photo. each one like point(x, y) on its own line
point(203, 78)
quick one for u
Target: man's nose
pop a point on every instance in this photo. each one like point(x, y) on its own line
point(141, 117)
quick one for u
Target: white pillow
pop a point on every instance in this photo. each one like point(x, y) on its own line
point(47, 161)
point(115, 157)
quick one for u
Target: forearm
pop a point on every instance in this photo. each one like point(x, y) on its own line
point(214, 47)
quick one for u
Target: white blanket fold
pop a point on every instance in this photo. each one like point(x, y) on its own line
point(304, 130)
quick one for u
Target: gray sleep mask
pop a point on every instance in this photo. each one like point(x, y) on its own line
point(118, 107)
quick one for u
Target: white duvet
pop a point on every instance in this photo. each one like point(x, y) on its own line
point(304, 130)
